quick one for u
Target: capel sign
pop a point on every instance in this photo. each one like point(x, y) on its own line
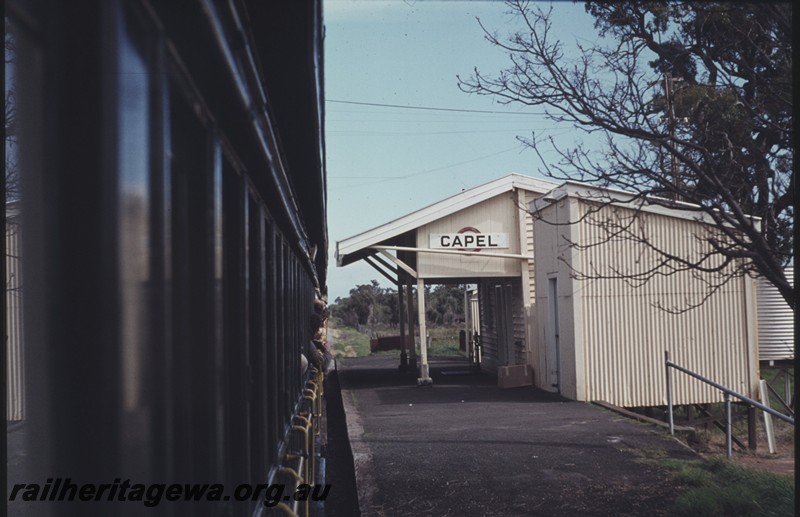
point(468, 239)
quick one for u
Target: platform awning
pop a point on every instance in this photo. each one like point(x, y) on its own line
point(399, 235)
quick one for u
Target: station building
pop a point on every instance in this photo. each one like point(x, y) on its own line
point(567, 298)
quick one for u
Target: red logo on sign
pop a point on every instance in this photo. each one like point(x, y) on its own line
point(469, 229)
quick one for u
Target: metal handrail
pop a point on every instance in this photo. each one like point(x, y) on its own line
point(307, 425)
point(727, 393)
point(778, 396)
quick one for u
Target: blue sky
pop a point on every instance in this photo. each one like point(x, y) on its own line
point(385, 162)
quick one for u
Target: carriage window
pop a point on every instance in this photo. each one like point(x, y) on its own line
point(133, 226)
point(195, 195)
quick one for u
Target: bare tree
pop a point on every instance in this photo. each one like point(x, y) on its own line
point(11, 184)
point(693, 105)
point(13, 283)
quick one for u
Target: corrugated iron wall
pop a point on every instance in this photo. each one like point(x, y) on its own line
point(626, 334)
point(775, 322)
point(15, 392)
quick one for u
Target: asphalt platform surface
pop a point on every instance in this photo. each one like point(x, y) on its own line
point(465, 447)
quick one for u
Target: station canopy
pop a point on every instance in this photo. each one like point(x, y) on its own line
point(404, 237)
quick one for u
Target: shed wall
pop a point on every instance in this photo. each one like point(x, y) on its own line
point(775, 322)
point(555, 366)
point(626, 334)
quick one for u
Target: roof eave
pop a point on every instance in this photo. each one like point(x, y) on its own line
point(435, 211)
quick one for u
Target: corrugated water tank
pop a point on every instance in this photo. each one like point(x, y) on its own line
point(775, 322)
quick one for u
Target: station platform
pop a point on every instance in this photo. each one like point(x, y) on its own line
point(464, 447)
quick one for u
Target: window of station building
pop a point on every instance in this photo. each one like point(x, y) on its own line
point(26, 403)
point(15, 407)
point(29, 442)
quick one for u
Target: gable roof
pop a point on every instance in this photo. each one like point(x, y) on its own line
point(346, 248)
point(622, 198)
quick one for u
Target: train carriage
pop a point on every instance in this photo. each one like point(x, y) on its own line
point(170, 164)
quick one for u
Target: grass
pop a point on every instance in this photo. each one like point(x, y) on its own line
point(717, 487)
point(444, 349)
point(444, 341)
point(775, 378)
point(349, 342)
point(709, 439)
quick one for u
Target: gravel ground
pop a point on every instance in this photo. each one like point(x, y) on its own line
point(466, 447)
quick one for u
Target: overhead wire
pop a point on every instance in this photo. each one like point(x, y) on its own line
point(430, 108)
point(438, 121)
point(426, 171)
point(378, 180)
point(345, 132)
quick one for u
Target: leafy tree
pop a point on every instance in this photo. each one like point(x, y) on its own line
point(368, 304)
point(444, 305)
point(693, 101)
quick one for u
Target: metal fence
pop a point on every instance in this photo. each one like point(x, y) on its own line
point(727, 393)
point(300, 464)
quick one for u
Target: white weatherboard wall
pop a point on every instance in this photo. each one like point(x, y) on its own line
point(612, 335)
point(492, 216)
point(556, 367)
point(529, 276)
point(497, 209)
point(496, 215)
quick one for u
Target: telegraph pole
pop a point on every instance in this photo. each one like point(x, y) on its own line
point(671, 128)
